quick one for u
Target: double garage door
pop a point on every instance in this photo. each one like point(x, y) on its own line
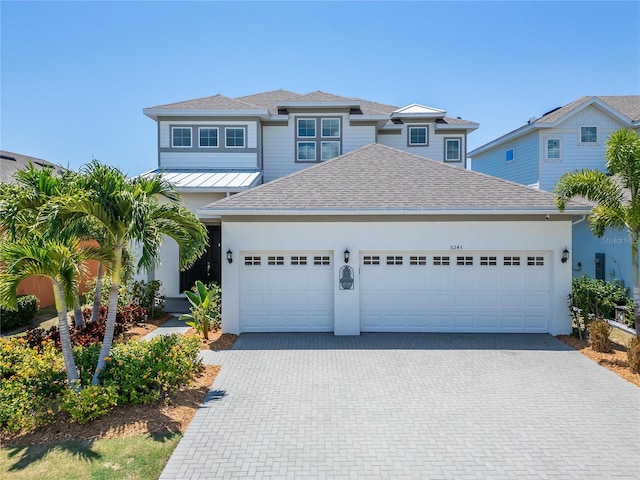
point(398, 291)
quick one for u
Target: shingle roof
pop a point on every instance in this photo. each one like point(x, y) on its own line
point(381, 178)
point(11, 162)
point(268, 100)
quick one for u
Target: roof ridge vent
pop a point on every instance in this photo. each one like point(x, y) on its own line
point(551, 111)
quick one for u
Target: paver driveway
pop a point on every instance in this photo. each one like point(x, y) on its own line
point(423, 406)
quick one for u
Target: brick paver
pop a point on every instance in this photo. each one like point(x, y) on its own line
point(414, 406)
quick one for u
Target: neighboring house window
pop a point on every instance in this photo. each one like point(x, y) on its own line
point(309, 137)
point(329, 150)
point(418, 136)
point(452, 150)
point(306, 127)
point(181, 137)
point(208, 137)
point(588, 134)
point(306, 151)
point(510, 155)
point(234, 137)
point(552, 150)
point(330, 127)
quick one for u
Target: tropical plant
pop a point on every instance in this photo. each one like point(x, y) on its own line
point(138, 211)
point(62, 261)
point(616, 195)
point(205, 308)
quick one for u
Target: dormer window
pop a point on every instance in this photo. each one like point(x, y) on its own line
point(181, 137)
point(418, 136)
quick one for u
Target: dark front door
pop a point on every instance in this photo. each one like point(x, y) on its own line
point(208, 267)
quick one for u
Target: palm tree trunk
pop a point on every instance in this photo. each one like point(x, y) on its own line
point(635, 271)
point(77, 313)
point(65, 338)
point(108, 333)
point(97, 299)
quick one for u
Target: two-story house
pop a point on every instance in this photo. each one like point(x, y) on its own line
point(216, 146)
point(338, 214)
point(565, 139)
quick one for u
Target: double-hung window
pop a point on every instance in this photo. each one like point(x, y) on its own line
point(234, 137)
point(181, 137)
point(552, 149)
point(208, 137)
point(452, 150)
point(588, 135)
point(418, 136)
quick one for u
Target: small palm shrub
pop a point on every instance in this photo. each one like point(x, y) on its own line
point(599, 331)
point(633, 355)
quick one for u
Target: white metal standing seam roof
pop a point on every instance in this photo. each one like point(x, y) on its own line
point(209, 180)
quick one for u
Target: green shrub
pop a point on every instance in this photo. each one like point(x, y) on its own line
point(86, 358)
point(30, 381)
point(206, 304)
point(599, 298)
point(24, 315)
point(147, 295)
point(143, 371)
point(599, 331)
point(633, 355)
point(90, 403)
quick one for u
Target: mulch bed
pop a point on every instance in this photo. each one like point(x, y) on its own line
point(170, 415)
point(616, 360)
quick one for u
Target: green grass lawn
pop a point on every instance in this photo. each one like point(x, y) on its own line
point(139, 458)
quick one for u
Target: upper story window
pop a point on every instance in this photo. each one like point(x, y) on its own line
point(552, 149)
point(208, 137)
point(510, 155)
point(452, 150)
point(330, 127)
point(588, 134)
point(181, 137)
point(234, 137)
point(418, 136)
point(309, 137)
point(306, 127)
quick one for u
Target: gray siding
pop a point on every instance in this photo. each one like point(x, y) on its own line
point(522, 169)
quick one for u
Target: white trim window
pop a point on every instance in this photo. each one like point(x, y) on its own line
point(329, 150)
point(588, 135)
point(208, 137)
point(418, 136)
point(306, 152)
point(234, 137)
point(181, 137)
point(330, 127)
point(306, 127)
point(552, 149)
point(452, 150)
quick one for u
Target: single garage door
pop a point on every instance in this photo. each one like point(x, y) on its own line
point(445, 292)
point(286, 292)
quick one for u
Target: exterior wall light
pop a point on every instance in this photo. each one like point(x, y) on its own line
point(230, 256)
point(346, 256)
point(565, 255)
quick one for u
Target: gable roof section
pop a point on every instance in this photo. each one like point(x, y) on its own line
point(626, 108)
point(377, 179)
point(11, 162)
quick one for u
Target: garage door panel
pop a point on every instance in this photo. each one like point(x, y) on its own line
point(490, 292)
point(286, 291)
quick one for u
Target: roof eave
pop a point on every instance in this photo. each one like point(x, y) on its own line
point(155, 113)
point(509, 137)
point(318, 104)
point(418, 115)
point(470, 126)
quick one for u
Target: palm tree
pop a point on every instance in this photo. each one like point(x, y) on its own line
point(616, 195)
point(138, 211)
point(61, 260)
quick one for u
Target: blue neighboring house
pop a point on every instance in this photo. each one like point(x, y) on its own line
point(565, 139)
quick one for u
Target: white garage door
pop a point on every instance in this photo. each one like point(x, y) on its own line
point(286, 292)
point(470, 292)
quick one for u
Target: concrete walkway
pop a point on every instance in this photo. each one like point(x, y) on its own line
point(169, 327)
point(410, 406)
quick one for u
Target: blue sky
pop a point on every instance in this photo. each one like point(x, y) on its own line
point(75, 76)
